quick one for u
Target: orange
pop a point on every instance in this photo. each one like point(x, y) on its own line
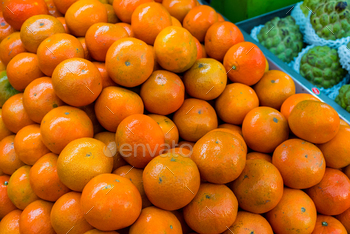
point(135, 176)
point(206, 79)
point(194, 119)
point(124, 8)
point(86, 51)
point(344, 218)
point(5, 29)
point(10, 47)
point(39, 98)
point(336, 151)
point(245, 63)
point(171, 133)
point(186, 145)
point(63, 22)
point(314, 121)
point(179, 8)
point(128, 28)
point(235, 133)
point(342, 122)
point(259, 187)
point(37, 28)
point(249, 223)
point(163, 92)
point(67, 216)
point(171, 181)
point(290, 102)
point(236, 129)
point(100, 36)
point(14, 115)
point(220, 157)
point(199, 19)
point(106, 80)
point(296, 160)
point(175, 22)
point(155, 220)
point(220, 18)
point(235, 102)
point(267, 66)
point(2, 66)
point(63, 5)
point(264, 128)
point(10, 223)
point(213, 209)
point(129, 62)
point(77, 82)
point(81, 160)
point(63, 125)
point(4, 132)
point(172, 55)
point(274, 88)
point(111, 16)
point(57, 48)
point(44, 179)
point(331, 195)
point(179, 215)
point(81, 15)
point(220, 37)
point(6, 206)
point(104, 200)
point(90, 111)
point(143, 21)
point(95, 231)
point(28, 144)
point(17, 11)
point(53, 9)
point(257, 155)
point(9, 160)
point(19, 190)
point(35, 218)
point(183, 150)
point(139, 138)
point(328, 224)
point(200, 49)
point(296, 213)
point(115, 104)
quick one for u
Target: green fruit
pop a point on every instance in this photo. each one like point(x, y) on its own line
point(321, 66)
point(310, 5)
point(282, 37)
point(343, 98)
point(6, 89)
point(331, 20)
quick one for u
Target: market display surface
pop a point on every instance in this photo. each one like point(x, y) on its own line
point(153, 117)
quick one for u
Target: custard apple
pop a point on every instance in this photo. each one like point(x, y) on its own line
point(331, 19)
point(282, 37)
point(343, 98)
point(321, 66)
point(310, 5)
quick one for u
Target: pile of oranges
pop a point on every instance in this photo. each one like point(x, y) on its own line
point(142, 116)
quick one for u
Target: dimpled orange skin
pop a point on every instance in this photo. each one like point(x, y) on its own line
point(128, 28)
point(235, 102)
point(19, 190)
point(155, 220)
point(4, 132)
point(10, 47)
point(81, 160)
point(296, 213)
point(129, 62)
point(296, 160)
point(66, 213)
point(17, 11)
point(53, 9)
point(199, 19)
point(163, 92)
point(125, 8)
point(100, 36)
point(39, 98)
point(331, 195)
point(5, 29)
point(245, 63)
point(148, 20)
point(175, 49)
point(23, 69)
point(14, 115)
point(9, 161)
point(213, 209)
point(179, 8)
point(328, 224)
point(57, 48)
point(6, 206)
point(10, 223)
point(194, 119)
point(290, 102)
point(106, 80)
point(82, 14)
point(220, 37)
point(37, 28)
point(35, 218)
point(110, 211)
point(77, 82)
point(235, 133)
point(314, 121)
point(63, 5)
point(75, 122)
point(220, 157)
point(344, 218)
point(171, 133)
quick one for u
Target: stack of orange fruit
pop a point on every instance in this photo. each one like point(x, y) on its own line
point(142, 116)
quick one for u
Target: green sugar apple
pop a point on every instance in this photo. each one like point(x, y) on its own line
point(310, 5)
point(343, 98)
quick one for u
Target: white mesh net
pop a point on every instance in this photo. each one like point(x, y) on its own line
point(344, 54)
point(299, 17)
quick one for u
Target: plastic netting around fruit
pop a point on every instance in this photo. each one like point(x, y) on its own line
point(333, 92)
point(312, 38)
point(344, 55)
point(299, 17)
